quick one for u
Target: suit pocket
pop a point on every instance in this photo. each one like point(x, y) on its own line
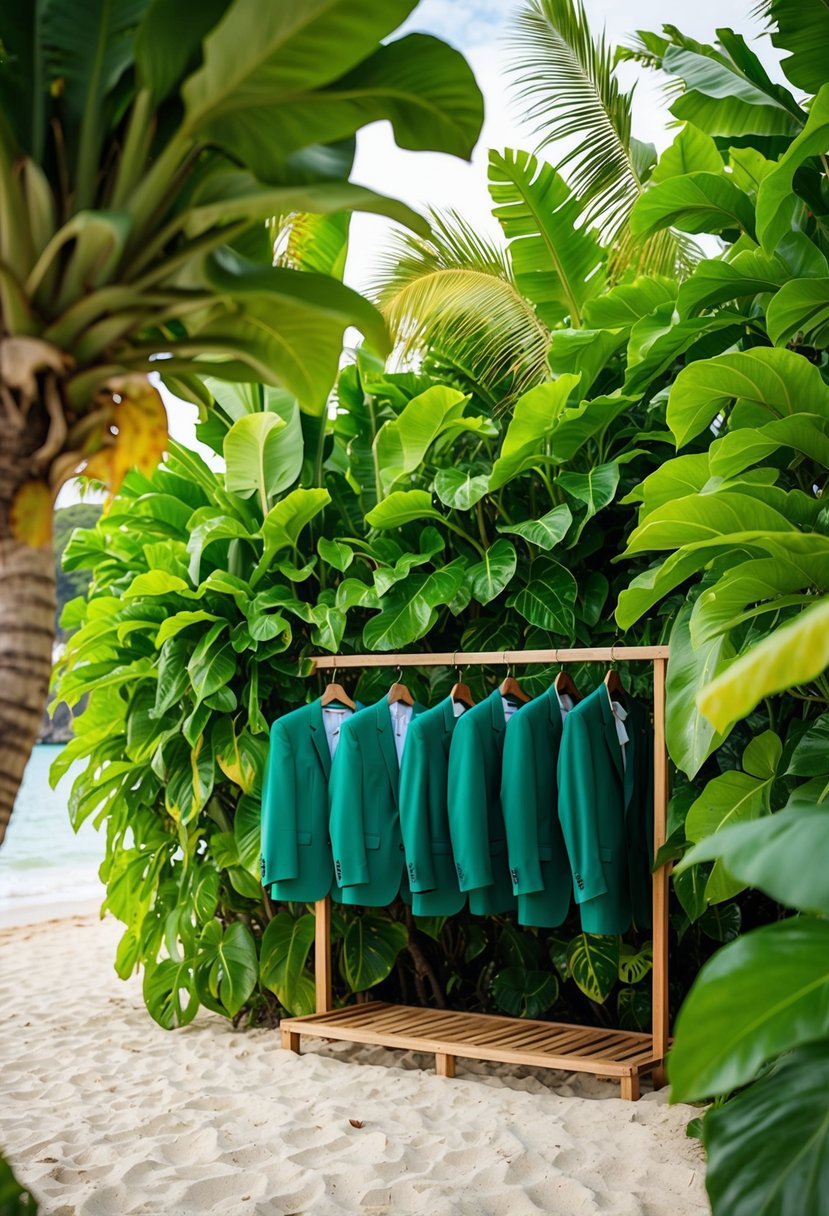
point(303, 837)
point(372, 842)
point(605, 854)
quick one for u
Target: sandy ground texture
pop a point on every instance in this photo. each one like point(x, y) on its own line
point(104, 1114)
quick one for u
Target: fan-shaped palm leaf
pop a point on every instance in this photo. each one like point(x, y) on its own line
point(453, 296)
point(565, 77)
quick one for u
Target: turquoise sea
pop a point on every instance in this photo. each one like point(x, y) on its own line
point(42, 861)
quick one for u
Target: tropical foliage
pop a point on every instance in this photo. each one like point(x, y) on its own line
point(484, 500)
point(143, 145)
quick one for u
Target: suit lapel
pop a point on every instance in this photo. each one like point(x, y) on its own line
point(611, 738)
point(499, 723)
point(386, 742)
point(319, 737)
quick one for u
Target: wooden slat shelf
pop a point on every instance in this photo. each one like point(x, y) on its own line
point(483, 1036)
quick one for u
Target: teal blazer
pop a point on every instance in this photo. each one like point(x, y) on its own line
point(424, 814)
point(364, 824)
point(296, 854)
point(476, 824)
point(539, 867)
point(606, 813)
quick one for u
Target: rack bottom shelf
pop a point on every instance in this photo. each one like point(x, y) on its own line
point(448, 1034)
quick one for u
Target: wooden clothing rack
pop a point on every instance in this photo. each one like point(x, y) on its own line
point(447, 1034)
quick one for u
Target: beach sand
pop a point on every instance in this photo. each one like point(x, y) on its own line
point(102, 1113)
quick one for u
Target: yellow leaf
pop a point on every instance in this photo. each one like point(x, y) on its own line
point(139, 418)
point(31, 514)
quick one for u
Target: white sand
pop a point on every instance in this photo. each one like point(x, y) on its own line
point(104, 1114)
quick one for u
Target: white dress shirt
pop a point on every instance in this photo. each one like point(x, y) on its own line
point(619, 716)
point(401, 716)
point(332, 719)
point(565, 704)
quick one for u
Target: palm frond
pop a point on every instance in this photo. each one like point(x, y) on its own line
point(453, 298)
point(565, 77)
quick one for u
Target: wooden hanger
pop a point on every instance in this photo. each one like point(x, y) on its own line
point(399, 692)
point(565, 685)
point(336, 692)
point(461, 692)
point(613, 681)
point(511, 688)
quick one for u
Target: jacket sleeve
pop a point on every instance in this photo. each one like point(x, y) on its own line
point(577, 810)
point(520, 813)
point(414, 813)
point(346, 825)
point(467, 805)
point(279, 846)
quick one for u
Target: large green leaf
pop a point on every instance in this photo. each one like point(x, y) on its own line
point(402, 507)
point(593, 961)
point(722, 98)
point(286, 327)
point(524, 993)
point(700, 517)
point(371, 945)
point(769, 582)
point(759, 996)
point(675, 478)
point(286, 943)
point(557, 263)
point(533, 421)
point(489, 577)
point(693, 151)
point(284, 522)
point(265, 60)
point(793, 654)
point(800, 310)
point(783, 855)
point(734, 797)
point(690, 737)
point(596, 489)
point(407, 614)
point(545, 532)
point(459, 489)
point(741, 448)
point(227, 964)
point(549, 597)
point(169, 992)
point(777, 203)
point(764, 384)
point(696, 202)
point(190, 778)
point(212, 663)
point(803, 31)
point(168, 41)
point(810, 757)
point(263, 455)
point(401, 445)
point(784, 1112)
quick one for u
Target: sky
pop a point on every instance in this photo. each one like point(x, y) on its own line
point(478, 29)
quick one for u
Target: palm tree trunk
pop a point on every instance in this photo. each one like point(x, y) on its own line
point(27, 625)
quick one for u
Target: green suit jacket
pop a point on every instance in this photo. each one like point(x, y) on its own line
point(476, 823)
point(539, 867)
point(365, 822)
point(296, 853)
point(606, 813)
point(424, 815)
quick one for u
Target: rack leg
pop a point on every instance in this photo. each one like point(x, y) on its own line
point(444, 1064)
point(659, 976)
point(322, 954)
point(630, 1087)
point(290, 1041)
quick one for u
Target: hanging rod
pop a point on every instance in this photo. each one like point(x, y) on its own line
point(493, 658)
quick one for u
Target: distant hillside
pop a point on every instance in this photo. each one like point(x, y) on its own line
point(69, 584)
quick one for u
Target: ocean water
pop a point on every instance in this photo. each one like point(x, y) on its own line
point(43, 863)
